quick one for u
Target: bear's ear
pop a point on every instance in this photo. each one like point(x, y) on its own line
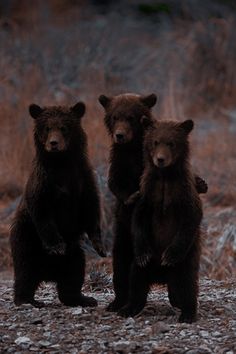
point(187, 126)
point(149, 100)
point(146, 122)
point(104, 100)
point(78, 109)
point(35, 110)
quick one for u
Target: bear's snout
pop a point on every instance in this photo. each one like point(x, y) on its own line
point(120, 137)
point(122, 132)
point(55, 142)
point(162, 157)
point(161, 161)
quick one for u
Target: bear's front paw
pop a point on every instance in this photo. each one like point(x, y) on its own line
point(170, 257)
point(143, 259)
point(201, 185)
point(57, 250)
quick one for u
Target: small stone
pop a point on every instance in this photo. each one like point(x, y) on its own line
point(44, 343)
point(77, 311)
point(55, 346)
point(79, 326)
point(23, 341)
point(148, 330)
point(5, 337)
point(121, 345)
point(34, 349)
point(37, 321)
point(129, 322)
point(204, 334)
point(13, 326)
point(216, 334)
point(160, 327)
point(106, 328)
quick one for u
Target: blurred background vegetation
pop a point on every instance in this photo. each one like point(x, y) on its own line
point(61, 51)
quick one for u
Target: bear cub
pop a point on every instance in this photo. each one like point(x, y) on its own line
point(166, 222)
point(123, 120)
point(60, 203)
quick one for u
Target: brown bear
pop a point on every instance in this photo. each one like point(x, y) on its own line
point(126, 118)
point(60, 203)
point(166, 222)
point(123, 122)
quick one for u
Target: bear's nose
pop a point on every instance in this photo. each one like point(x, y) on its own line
point(161, 161)
point(53, 143)
point(119, 137)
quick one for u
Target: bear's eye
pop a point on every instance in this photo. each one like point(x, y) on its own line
point(47, 129)
point(170, 144)
point(63, 129)
point(156, 143)
point(115, 118)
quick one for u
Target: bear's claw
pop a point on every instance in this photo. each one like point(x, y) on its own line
point(143, 260)
point(58, 249)
point(170, 257)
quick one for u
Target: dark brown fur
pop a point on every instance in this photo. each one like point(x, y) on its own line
point(127, 115)
point(166, 222)
point(124, 115)
point(59, 204)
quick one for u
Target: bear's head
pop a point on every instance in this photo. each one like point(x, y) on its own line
point(127, 115)
point(166, 142)
point(56, 127)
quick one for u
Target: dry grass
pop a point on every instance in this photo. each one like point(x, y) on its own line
point(62, 52)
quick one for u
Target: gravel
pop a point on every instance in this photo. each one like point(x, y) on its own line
point(60, 329)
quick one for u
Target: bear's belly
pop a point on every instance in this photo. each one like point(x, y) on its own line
point(69, 223)
point(164, 230)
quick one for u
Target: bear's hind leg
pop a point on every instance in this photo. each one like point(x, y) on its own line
point(25, 286)
point(183, 292)
point(70, 279)
point(138, 291)
point(122, 259)
point(25, 254)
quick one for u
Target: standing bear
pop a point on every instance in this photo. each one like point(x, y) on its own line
point(126, 118)
point(166, 222)
point(123, 121)
point(60, 203)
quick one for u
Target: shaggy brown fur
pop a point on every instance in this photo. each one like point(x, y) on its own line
point(124, 121)
point(59, 204)
point(166, 222)
point(127, 117)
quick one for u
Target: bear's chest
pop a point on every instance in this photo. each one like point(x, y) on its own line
point(66, 194)
point(165, 210)
point(126, 164)
point(164, 197)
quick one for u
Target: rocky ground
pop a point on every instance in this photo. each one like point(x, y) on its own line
point(60, 329)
